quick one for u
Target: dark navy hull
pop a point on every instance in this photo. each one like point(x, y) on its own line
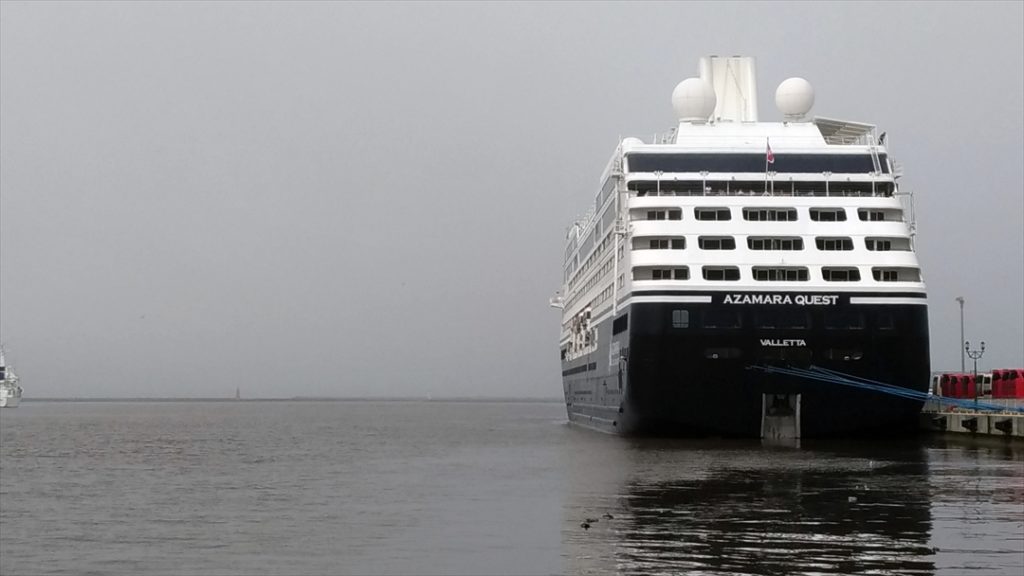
point(699, 377)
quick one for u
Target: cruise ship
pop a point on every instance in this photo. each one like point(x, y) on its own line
point(723, 261)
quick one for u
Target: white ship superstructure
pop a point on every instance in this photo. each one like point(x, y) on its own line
point(730, 243)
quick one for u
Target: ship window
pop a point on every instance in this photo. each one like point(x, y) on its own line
point(721, 319)
point(721, 273)
point(722, 353)
point(896, 274)
point(880, 215)
point(665, 244)
point(680, 318)
point(674, 214)
point(782, 319)
point(828, 214)
point(712, 214)
point(670, 273)
point(844, 320)
point(716, 243)
point(840, 274)
point(780, 274)
point(833, 244)
point(769, 214)
point(762, 243)
point(887, 244)
point(620, 324)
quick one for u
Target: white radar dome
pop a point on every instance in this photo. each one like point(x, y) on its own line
point(794, 97)
point(631, 142)
point(693, 100)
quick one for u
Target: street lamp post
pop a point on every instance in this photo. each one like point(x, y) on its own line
point(963, 367)
point(975, 355)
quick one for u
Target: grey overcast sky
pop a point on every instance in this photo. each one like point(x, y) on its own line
point(371, 199)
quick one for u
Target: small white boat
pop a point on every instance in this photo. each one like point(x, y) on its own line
point(10, 392)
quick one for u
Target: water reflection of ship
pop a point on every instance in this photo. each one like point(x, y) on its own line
point(766, 512)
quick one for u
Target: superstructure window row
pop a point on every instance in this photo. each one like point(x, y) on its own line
point(778, 273)
point(833, 244)
point(673, 273)
point(755, 162)
point(836, 274)
point(777, 187)
point(668, 243)
point(775, 243)
point(828, 214)
point(716, 243)
point(580, 271)
point(591, 282)
point(817, 214)
point(887, 244)
point(896, 274)
point(712, 214)
point(670, 274)
point(772, 243)
point(880, 214)
point(769, 214)
point(667, 214)
point(726, 273)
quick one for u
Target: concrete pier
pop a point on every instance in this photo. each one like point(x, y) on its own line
point(945, 419)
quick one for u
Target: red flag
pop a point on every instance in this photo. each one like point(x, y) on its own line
point(770, 158)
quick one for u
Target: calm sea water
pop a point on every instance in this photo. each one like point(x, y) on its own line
point(199, 488)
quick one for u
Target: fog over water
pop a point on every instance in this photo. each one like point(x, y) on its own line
point(371, 199)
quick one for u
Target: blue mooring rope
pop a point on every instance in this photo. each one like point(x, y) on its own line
point(835, 377)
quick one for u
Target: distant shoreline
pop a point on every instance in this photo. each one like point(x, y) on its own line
point(304, 399)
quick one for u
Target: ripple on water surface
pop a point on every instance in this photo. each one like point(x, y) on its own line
point(479, 488)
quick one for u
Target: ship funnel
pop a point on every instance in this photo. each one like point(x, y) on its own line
point(735, 83)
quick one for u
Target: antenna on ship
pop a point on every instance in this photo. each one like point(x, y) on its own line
point(694, 100)
point(794, 98)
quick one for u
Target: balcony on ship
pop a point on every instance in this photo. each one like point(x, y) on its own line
point(858, 186)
